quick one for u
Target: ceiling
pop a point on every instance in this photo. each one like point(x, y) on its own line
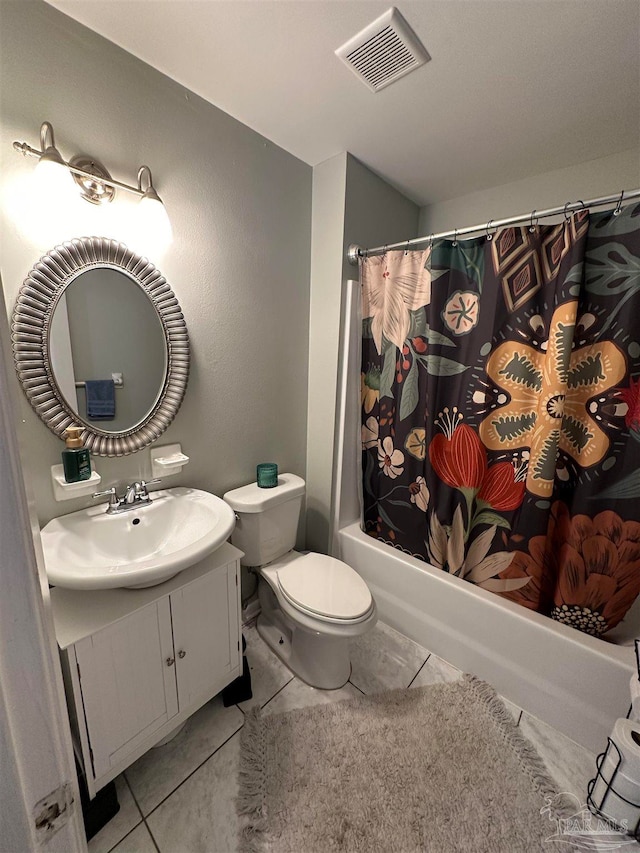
point(514, 87)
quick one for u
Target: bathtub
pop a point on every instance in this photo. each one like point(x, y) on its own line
point(577, 683)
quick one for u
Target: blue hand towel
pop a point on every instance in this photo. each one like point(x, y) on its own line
point(101, 399)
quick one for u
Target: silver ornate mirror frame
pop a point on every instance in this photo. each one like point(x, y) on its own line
point(37, 300)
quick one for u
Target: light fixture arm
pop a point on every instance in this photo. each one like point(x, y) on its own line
point(145, 172)
point(46, 136)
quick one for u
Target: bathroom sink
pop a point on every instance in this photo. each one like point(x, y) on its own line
point(142, 547)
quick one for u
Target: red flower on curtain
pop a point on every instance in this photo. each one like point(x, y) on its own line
point(458, 457)
point(631, 396)
point(500, 488)
point(584, 572)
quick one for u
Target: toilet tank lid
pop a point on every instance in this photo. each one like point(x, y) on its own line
point(252, 498)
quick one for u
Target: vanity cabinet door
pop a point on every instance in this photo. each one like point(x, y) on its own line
point(206, 634)
point(128, 681)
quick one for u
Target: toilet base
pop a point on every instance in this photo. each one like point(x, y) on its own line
point(321, 662)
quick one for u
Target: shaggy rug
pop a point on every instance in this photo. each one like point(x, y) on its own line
point(439, 769)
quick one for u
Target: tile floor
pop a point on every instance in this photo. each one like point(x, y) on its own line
point(179, 798)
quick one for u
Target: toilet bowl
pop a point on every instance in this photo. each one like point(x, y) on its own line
point(311, 604)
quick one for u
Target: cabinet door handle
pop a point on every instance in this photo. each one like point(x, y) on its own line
point(182, 654)
point(170, 661)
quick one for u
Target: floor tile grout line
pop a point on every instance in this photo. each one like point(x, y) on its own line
point(124, 774)
point(359, 689)
point(126, 835)
point(153, 839)
point(420, 668)
point(195, 770)
point(277, 692)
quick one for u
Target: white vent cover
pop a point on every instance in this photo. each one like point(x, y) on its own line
point(384, 51)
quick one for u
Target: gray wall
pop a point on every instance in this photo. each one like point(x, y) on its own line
point(350, 205)
point(592, 179)
point(240, 208)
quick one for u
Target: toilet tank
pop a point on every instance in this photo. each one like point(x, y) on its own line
point(267, 519)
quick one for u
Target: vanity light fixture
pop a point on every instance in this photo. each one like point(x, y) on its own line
point(94, 181)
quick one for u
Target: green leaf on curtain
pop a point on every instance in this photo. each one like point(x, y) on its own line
point(368, 473)
point(409, 399)
point(383, 515)
point(418, 326)
point(388, 372)
point(366, 328)
point(489, 517)
point(467, 258)
point(436, 274)
point(612, 269)
point(437, 365)
point(438, 339)
point(607, 224)
point(400, 503)
point(575, 273)
point(628, 487)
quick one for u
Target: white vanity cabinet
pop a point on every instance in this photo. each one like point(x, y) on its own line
point(137, 663)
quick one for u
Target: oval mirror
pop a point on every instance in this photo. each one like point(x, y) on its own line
point(99, 340)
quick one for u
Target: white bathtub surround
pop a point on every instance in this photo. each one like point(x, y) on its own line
point(576, 683)
point(199, 815)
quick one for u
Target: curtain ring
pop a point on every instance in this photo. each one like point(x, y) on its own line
point(566, 218)
point(488, 226)
point(533, 225)
point(618, 209)
point(455, 237)
point(406, 251)
point(431, 242)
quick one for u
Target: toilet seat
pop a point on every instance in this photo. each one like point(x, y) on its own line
point(325, 588)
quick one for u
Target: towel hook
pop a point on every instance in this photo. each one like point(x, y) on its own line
point(618, 209)
point(488, 226)
point(533, 225)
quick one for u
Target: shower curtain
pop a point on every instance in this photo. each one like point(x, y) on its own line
point(501, 412)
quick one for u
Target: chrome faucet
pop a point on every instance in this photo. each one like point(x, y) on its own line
point(135, 495)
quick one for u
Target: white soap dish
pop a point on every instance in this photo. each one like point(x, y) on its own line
point(63, 491)
point(167, 460)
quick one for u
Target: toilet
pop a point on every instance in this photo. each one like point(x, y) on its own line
point(311, 604)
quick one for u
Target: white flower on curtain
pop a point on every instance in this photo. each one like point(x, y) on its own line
point(388, 297)
point(390, 459)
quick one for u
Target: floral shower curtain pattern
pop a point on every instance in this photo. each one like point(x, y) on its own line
point(501, 412)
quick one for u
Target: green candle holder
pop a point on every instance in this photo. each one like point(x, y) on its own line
point(267, 475)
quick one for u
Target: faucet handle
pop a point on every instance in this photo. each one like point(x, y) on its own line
point(141, 488)
point(113, 496)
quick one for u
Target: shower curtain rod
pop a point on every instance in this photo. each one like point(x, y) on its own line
point(355, 252)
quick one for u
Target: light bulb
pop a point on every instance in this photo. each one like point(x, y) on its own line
point(155, 224)
point(53, 177)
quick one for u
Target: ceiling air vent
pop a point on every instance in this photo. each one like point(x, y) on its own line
point(384, 51)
